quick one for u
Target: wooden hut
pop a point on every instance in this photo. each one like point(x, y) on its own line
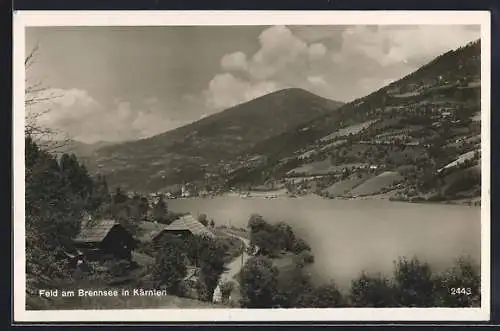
point(189, 226)
point(151, 233)
point(105, 239)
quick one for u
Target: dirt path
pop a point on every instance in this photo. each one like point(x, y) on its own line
point(233, 268)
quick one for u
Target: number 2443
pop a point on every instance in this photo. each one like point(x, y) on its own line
point(460, 291)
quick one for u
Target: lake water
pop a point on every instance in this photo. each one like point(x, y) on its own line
point(349, 236)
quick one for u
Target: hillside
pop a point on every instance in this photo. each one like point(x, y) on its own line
point(413, 127)
point(419, 129)
point(202, 149)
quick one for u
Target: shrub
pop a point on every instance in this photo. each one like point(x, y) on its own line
point(258, 279)
point(170, 268)
point(202, 218)
point(226, 289)
point(211, 267)
point(300, 245)
point(372, 291)
point(293, 285)
point(119, 268)
point(323, 296)
point(414, 283)
point(465, 274)
point(306, 256)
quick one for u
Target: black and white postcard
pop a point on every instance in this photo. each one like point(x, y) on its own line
point(251, 166)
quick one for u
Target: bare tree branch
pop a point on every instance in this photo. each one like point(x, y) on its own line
point(37, 105)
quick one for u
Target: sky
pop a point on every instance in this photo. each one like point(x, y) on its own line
point(126, 83)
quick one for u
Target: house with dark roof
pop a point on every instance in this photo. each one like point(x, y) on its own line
point(188, 225)
point(104, 239)
point(150, 232)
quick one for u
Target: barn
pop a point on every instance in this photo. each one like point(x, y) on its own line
point(104, 239)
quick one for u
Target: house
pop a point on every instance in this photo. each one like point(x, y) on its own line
point(104, 239)
point(150, 232)
point(189, 226)
point(185, 192)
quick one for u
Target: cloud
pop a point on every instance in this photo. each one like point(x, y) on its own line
point(282, 60)
point(78, 115)
point(225, 90)
point(317, 80)
point(317, 51)
point(389, 45)
point(234, 61)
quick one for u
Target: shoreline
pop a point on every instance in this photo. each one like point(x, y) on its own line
point(279, 194)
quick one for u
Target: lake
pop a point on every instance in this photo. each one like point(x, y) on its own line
point(349, 236)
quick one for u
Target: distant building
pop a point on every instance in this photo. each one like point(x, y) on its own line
point(104, 239)
point(185, 192)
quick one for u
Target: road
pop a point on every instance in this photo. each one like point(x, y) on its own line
point(233, 268)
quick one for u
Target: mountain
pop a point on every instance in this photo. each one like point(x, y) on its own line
point(406, 133)
point(209, 146)
point(81, 149)
point(419, 138)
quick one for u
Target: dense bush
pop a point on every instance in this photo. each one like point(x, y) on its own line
point(273, 239)
point(414, 283)
point(464, 276)
point(372, 291)
point(258, 279)
point(170, 268)
point(323, 296)
point(57, 192)
point(226, 289)
point(307, 256)
point(211, 261)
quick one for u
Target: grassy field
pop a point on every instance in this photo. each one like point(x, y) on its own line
point(351, 129)
point(462, 158)
point(376, 184)
point(342, 187)
point(322, 168)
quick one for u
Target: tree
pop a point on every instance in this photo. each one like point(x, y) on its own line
point(170, 268)
point(119, 197)
point(414, 283)
point(465, 276)
point(211, 267)
point(212, 224)
point(323, 296)
point(257, 223)
point(305, 257)
point(202, 218)
point(266, 241)
point(287, 237)
point(258, 279)
point(100, 198)
point(293, 285)
point(226, 289)
point(372, 291)
point(37, 100)
point(300, 245)
point(160, 210)
point(53, 213)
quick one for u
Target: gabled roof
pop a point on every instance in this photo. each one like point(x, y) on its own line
point(189, 223)
point(94, 231)
point(149, 230)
